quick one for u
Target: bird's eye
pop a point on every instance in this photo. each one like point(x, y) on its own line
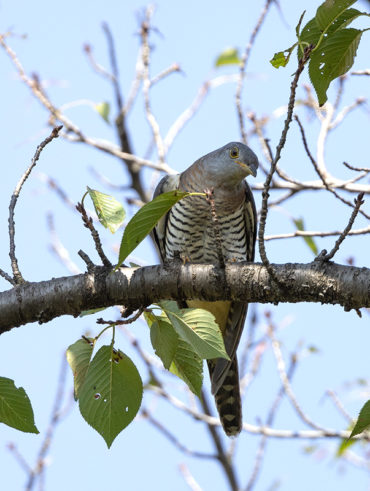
point(234, 153)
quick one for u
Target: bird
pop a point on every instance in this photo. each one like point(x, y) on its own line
point(188, 231)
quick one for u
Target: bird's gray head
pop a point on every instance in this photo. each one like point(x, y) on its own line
point(230, 164)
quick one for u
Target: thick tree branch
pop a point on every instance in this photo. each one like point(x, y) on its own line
point(327, 283)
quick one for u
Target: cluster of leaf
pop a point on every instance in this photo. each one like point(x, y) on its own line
point(109, 388)
point(108, 385)
point(334, 46)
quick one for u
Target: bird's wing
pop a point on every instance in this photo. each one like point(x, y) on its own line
point(168, 183)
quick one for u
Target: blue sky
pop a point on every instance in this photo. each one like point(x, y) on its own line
point(192, 34)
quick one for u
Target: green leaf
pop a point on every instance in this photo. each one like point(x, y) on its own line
point(110, 211)
point(164, 340)
point(310, 35)
point(334, 57)
point(363, 421)
point(345, 19)
point(142, 223)
point(229, 56)
point(185, 363)
point(78, 356)
point(188, 366)
point(281, 59)
point(111, 394)
point(329, 11)
point(15, 407)
point(103, 108)
point(299, 223)
point(198, 328)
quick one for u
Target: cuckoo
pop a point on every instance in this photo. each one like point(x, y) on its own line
point(189, 231)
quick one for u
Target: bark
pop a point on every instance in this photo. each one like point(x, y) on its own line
point(324, 282)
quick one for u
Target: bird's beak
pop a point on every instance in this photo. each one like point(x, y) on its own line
point(251, 169)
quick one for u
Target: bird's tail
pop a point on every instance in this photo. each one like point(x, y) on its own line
point(228, 400)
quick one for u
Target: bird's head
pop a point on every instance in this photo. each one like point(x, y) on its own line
point(230, 164)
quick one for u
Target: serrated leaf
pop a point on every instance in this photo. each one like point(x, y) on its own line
point(110, 212)
point(164, 340)
point(78, 356)
point(15, 407)
point(103, 108)
point(329, 11)
point(334, 57)
point(229, 56)
point(142, 223)
point(198, 327)
point(311, 33)
point(299, 223)
point(188, 366)
point(111, 394)
point(363, 421)
point(344, 19)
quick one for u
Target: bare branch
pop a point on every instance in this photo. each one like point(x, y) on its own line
point(286, 382)
point(358, 202)
point(243, 65)
point(265, 193)
point(153, 123)
point(16, 273)
point(322, 173)
point(173, 439)
point(88, 223)
point(308, 233)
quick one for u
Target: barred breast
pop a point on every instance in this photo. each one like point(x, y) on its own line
point(191, 233)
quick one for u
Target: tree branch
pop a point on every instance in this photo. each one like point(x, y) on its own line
point(327, 283)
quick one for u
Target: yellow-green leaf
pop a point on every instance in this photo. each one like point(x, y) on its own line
point(229, 56)
point(110, 212)
point(103, 108)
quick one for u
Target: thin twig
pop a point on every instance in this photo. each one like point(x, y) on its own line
point(339, 405)
point(58, 248)
point(153, 123)
point(308, 233)
point(88, 223)
point(87, 48)
point(121, 322)
point(189, 479)
point(357, 169)
point(174, 68)
point(13, 201)
point(269, 421)
point(358, 202)
point(90, 265)
point(286, 382)
point(243, 65)
point(265, 193)
point(257, 429)
point(39, 468)
point(173, 439)
point(321, 173)
point(5, 275)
